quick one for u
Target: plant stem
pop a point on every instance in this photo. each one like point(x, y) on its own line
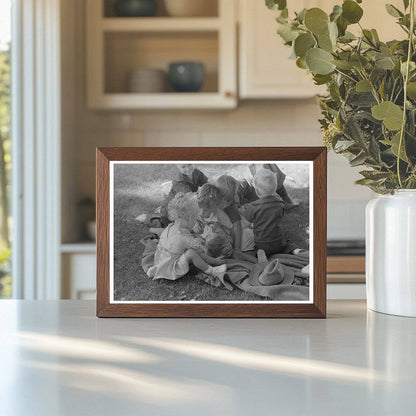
point(406, 80)
point(345, 75)
point(373, 89)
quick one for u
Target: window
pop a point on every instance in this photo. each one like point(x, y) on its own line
point(5, 144)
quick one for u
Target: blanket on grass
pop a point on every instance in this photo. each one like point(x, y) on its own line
point(245, 276)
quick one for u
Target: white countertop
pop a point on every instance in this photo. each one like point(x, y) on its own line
point(56, 358)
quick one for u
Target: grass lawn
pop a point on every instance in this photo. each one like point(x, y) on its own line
point(138, 189)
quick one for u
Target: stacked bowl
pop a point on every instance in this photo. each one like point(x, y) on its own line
point(147, 80)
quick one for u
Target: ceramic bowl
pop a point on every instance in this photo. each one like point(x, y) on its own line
point(186, 76)
point(136, 8)
point(147, 80)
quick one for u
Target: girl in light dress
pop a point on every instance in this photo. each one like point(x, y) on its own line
point(178, 247)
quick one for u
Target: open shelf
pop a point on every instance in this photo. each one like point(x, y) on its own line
point(127, 51)
point(116, 46)
point(194, 101)
point(160, 24)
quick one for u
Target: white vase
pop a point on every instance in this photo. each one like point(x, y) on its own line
point(391, 253)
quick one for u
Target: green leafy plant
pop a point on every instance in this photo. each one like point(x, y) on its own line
point(369, 113)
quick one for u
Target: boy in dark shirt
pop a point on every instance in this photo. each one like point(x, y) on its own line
point(247, 192)
point(266, 213)
point(229, 187)
point(190, 176)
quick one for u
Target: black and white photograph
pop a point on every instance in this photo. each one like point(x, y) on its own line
point(211, 232)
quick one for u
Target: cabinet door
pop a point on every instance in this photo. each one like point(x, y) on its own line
point(265, 68)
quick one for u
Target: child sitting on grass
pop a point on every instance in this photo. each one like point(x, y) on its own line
point(190, 176)
point(266, 214)
point(229, 187)
point(178, 248)
point(280, 179)
point(212, 219)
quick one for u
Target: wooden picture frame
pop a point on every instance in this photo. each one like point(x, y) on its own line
point(316, 305)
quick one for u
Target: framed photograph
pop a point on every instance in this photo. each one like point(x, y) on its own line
point(211, 232)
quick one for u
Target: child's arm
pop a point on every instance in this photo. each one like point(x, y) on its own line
point(196, 244)
point(247, 211)
point(211, 260)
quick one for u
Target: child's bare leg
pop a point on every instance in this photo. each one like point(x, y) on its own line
point(212, 261)
point(196, 259)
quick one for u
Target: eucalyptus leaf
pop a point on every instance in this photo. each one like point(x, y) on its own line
point(333, 32)
point(303, 43)
point(361, 99)
point(316, 20)
point(391, 114)
point(358, 160)
point(343, 145)
point(374, 150)
point(394, 144)
point(364, 182)
point(385, 63)
point(343, 65)
point(321, 79)
point(320, 61)
point(411, 90)
point(368, 35)
point(347, 37)
point(336, 12)
point(393, 11)
point(375, 35)
point(301, 63)
point(358, 61)
point(286, 32)
point(276, 4)
point(412, 67)
point(325, 42)
point(300, 17)
point(374, 175)
point(284, 14)
point(342, 25)
point(351, 11)
point(363, 86)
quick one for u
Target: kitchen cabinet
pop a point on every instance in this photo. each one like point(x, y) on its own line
point(116, 46)
point(265, 70)
point(78, 264)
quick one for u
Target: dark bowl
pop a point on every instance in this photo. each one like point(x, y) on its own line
point(186, 76)
point(136, 8)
